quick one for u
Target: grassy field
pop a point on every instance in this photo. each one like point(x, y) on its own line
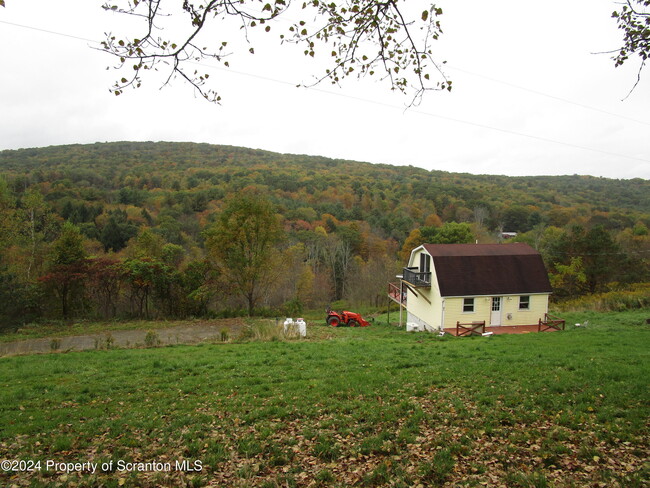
point(357, 407)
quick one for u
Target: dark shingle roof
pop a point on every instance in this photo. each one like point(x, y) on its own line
point(488, 269)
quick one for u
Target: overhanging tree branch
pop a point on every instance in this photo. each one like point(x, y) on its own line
point(365, 37)
point(634, 20)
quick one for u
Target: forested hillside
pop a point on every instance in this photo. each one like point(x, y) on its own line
point(179, 229)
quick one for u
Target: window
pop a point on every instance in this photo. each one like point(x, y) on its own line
point(524, 302)
point(468, 305)
point(425, 263)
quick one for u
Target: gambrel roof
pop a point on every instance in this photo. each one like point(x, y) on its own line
point(488, 269)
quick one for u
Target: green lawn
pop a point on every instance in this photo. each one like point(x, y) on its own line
point(365, 407)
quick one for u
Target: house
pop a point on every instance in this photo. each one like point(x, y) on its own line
point(500, 284)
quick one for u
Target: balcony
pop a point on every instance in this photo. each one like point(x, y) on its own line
point(397, 294)
point(417, 278)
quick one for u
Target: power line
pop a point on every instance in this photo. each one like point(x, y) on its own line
point(420, 112)
point(547, 95)
point(429, 114)
point(494, 80)
point(61, 34)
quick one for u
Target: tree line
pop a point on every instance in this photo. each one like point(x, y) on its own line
point(176, 230)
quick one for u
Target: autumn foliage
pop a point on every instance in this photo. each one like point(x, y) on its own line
point(151, 230)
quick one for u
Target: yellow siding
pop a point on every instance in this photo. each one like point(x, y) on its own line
point(414, 260)
point(454, 311)
point(538, 307)
point(419, 307)
point(483, 309)
point(427, 311)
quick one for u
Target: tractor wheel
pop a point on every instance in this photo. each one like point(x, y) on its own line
point(353, 323)
point(333, 320)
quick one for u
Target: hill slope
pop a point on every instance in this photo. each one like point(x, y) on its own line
point(157, 165)
point(349, 225)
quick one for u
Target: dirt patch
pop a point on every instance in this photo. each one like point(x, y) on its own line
point(181, 334)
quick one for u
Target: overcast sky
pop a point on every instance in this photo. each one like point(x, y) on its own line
point(530, 96)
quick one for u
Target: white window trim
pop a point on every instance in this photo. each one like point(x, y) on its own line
point(473, 305)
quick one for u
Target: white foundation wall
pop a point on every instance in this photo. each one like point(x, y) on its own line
point(417, 320)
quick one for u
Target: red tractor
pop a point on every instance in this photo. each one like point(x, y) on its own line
point(345, 319)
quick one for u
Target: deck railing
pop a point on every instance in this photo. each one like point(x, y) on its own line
point(396, 294)
point(470, 328)
point(550, 323)
point(416, 278)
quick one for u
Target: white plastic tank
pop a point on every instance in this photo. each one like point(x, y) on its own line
point(302, 327)
point(288, 325)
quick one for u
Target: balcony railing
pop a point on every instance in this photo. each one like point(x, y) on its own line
point(417, 278)
point(396, 294)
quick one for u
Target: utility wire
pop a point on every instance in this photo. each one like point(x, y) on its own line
point(61, 34)
point(547, 95)
point(430, 114)
point(461, 70)
point(420, 112)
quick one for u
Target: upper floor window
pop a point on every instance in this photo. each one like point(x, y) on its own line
point(425, 263)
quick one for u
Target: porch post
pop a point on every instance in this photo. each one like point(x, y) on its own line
point(389, 300)
point(401, 294)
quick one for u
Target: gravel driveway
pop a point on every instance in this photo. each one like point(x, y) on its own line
point(122, 339)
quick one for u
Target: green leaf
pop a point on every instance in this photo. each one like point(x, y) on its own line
point(425, 15)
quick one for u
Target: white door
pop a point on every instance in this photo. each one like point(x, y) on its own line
point(495, 316)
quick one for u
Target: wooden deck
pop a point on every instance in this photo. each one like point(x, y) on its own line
point(507, 329)
point(549, 323)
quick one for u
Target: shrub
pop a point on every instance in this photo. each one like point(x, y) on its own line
point(261, 331)
point(635, 297)
point(151, 339)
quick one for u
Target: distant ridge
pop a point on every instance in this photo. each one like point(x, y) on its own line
point(288, 172)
